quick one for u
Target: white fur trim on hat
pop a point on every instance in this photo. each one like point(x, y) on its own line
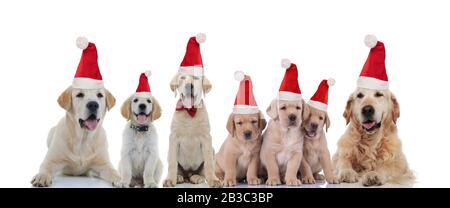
point(331, 82)
point(148, 73)
point(318, 105)
point(200, 37)
point(82, 43)
point(87, 83)
point(370, 41)
point(239, 75)
point(143, 94)
point(372, 83)
point(285, 63)
point(245, 109)
point(289, 96)
point(191, 70)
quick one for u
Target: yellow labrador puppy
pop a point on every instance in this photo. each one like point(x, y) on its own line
point(370, 149)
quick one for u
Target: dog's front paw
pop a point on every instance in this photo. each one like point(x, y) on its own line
point(214, 183)
point(180, 179)
point(150, 185)
point(332, 179)
point(196, 179)
point(121, 184)
point(169, 183)
point(348, 176)
point(372, 178)
point(254, 181)
point(229, 182)
point(293, 181)
point(308, 179)
point(41, 180)
point(273, 181)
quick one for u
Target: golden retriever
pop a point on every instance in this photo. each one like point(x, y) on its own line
point(238, 158)
point(282, 147)
point(316, 156)
point(191, 155)
point(77, 145)
point(370, 149)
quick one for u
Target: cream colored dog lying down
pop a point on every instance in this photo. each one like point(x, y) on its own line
point(77, 145)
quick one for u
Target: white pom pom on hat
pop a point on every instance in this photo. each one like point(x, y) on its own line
point(331, 82)
point(200, 37)
point(285, 63)
point(148, 73)
point(239, 75)
point(82, 43)
point(370, 41)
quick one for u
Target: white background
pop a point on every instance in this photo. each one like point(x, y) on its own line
point(38, 59)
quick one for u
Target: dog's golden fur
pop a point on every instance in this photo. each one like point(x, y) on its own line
point(373, 157)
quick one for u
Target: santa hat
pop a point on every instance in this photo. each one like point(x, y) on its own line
point(373, 74)
point(88, 73)
point(143, 88)
point(245, 102)
point(192, 63)
point(320, 99)
point(289, 89)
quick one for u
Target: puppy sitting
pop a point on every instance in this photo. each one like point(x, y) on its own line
point(315, 150)
point(282, 147)
point(140, 164)
point(238, 158)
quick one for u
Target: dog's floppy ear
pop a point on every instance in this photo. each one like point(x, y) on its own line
point(110, 100)
point(306, 111)
point(262, 122)
point(206, 85)
point(395, 109)
point(327, 122)
point(230, 125)
point(348, 109)
point(126, 109)
point(272, 110)
point(156, 109)
point(65, 99)
point(174, 84)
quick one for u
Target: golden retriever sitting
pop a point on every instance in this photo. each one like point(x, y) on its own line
point(238, 158)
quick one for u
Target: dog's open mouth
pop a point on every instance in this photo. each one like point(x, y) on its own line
point(370, 126)
point(310, 134)
point(188, 100)
point(90, 123)
point(141, 118)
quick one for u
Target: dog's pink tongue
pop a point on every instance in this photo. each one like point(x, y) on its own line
point(369, 125)
point(91, 124)
point(141, 119)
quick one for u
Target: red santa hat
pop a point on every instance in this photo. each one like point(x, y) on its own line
point(88, 73)
point(192, 63)
point(245, 102)
point(289, 89)
point(373, 75)
point(320, 99)
point(143, 88)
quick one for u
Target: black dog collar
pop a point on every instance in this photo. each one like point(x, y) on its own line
point(139, 128)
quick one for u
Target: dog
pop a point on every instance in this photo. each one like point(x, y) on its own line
point(140, 164)
point(370, 149)
point(282, 146)
point(238, 157)
point(316, 156)
point(191, 155)
point(77, 145)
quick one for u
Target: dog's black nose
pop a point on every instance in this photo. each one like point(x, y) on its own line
point(247, 134)
point(142, 106)
point(314, 126)
point(292, 117)
point(92, 106)
point(368, 111)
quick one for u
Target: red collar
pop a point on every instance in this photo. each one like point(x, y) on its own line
point(191, 111)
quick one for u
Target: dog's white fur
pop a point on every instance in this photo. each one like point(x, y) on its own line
point(140, 164)
point(74, 150)
point(191, 155)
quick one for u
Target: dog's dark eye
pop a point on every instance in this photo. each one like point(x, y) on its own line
point(254, 122)
point(135, 100)
point(149, 101)
point(80, 95)
point(99, 95)
point(196, 78)
point(283, 108)
point(239, 123)
point(298, 108)
point(378, 94)
point(321, 118)
point(360, 95)
point(182, 77)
